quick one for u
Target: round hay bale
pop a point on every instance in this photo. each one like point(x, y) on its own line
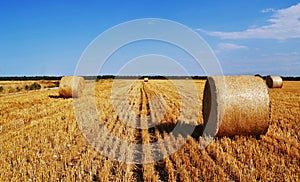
point(274, 81)
point(146, 79)
point(71, 86)
point(237, 105)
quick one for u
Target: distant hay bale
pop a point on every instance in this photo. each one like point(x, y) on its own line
point(71, 86)
point(146, 79)
point(274, 81)
point(241, 108)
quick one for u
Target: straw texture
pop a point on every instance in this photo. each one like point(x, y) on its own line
point(235, 105)
point(274, 81)
point(71, 86)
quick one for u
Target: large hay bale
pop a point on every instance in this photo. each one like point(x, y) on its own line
point(274, 81)
point(71, 86)
point(237, 105)
point(146, 79)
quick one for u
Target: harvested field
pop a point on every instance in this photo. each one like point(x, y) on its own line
point(40, 139)
point(17, 87)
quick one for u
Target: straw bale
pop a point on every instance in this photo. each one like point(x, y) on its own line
point(71, 86)
point(235, 105)
point(274, 81)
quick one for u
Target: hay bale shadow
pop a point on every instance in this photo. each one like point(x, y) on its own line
point(58, 97)
point(185, 130)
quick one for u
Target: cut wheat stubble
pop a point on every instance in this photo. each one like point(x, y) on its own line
point(235, 105)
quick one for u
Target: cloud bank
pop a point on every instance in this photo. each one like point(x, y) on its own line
point(230, 46)
point(283, 24)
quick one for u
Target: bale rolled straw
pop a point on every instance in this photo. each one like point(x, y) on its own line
point(237, 105)
point(274, 81)
point(71, 86)
point(146, 79)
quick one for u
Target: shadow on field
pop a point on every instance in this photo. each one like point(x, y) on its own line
point(182, 129)
point(195, 131)
point(58, 97)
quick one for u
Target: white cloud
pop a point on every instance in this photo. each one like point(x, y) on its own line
point(268, 10)
point(230, 46)
point(287, 54)
point(283, 24)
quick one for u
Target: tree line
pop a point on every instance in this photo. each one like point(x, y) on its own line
point(100, 77)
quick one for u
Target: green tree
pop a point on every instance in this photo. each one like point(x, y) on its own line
point(35, 86)
point(26, 87)
point(18, 89)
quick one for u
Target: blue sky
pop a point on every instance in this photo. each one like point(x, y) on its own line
point(248, 37)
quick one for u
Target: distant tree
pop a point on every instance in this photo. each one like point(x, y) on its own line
point(26, 87)
point(35, 86)
point(56, 84)
point(18, 89)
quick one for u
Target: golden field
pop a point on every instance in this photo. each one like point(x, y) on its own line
point(40, 139)
point(12, 87)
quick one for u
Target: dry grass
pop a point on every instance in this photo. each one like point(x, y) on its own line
point(13, 87)
point(41, 141)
